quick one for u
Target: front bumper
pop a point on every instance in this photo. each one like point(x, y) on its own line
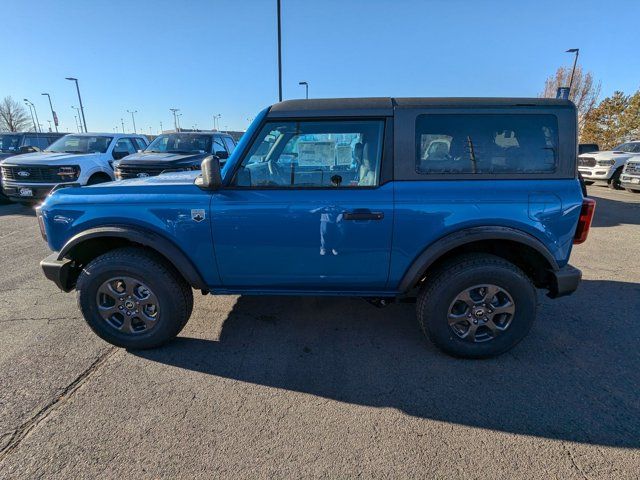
point(596, 173)
point(630, 181)
point(59, 271)
point(564, 281)
point(38, 190)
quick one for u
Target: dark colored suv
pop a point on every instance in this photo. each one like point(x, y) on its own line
point(468, 205)
point(174, 152)
point(16, 143)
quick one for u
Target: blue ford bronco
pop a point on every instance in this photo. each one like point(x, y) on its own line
point(466, 205)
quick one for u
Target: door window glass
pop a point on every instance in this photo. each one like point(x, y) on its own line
point(486, 144)
point(124, 145)
point(228, 141)
point(314, 154)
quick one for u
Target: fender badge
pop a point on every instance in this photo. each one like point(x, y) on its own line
point(197, 214)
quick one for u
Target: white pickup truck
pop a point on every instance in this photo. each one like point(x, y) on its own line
point(83, 158)
point(606, 166)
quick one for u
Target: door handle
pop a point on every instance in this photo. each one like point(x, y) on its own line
point(366, 215)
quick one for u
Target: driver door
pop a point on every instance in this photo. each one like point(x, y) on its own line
point(307, 210)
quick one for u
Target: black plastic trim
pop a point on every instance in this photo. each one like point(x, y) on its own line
point(564, 281)
point(58, 271)
point(447, 243)
point(145, 237)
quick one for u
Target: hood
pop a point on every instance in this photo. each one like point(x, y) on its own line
point(171, 178)
point(50, 158)
point(168, 159)
point(4, 155)
point(607, 154)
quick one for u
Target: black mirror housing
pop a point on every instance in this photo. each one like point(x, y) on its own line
point(222, 155)
point(211, 178)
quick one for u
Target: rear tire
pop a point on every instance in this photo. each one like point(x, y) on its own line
point(632, 190)
point(453, 315)
point(156, 301)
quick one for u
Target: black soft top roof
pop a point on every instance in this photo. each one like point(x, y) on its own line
point(385, 105)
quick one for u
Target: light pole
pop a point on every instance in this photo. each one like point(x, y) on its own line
point(84, 121)
point(279, 53)
point(53, 113)
point(28, 104)
point(178, 118)
point(175, 118)
point(75, 119)
point(38, 129)
point(133, 119)
point(79, 122)
point(122, 123)
point(160, 127)
point(306, 88)
point(217, 118)
point(575, 61)
point(49, 125)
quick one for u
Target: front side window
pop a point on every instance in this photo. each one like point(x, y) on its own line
point(124, 145)
point(486, 144)
point(80, 144)
point(180, 143)
point(314, 154)
point(218, 148)
point(10, 143)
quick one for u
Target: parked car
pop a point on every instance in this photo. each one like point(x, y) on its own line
point(630, 179)
point(606, 167)
point(174, 152)
point(15, 143)
point(83, 159)
point(470, 205)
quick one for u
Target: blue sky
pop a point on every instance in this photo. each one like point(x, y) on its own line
point(219, 56)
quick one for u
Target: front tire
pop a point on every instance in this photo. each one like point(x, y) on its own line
point(132, 298)
point(631, 190)
point(477, 306)
point(588, 182)
point(614, 181)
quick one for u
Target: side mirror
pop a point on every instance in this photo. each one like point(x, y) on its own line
point(211, 178)
point(119, 155)
point(28, 149)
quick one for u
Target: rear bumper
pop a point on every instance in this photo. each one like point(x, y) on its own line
point(564, 281)
point(58, 271)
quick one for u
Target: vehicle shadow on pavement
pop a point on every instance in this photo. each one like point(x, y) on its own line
point(575, 377)
point(611, 213)
point(17, 209)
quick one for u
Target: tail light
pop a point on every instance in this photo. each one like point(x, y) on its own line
point(584, 222)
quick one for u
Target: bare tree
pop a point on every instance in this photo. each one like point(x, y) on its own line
point(13, 116)
point(584, 92)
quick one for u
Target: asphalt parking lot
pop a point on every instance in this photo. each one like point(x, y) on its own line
point(317, 387)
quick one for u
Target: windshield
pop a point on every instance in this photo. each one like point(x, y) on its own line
point(80, 144)
point(180, 143)
point(9, 143)
point(632, 147)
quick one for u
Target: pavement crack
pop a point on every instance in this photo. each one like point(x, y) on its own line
point(20, 433)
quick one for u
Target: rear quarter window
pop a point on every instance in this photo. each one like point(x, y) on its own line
point(486, 144)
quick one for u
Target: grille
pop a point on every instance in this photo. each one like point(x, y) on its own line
point(35, 174)
point(633, 168)
point(586, 162)
point(134, 172)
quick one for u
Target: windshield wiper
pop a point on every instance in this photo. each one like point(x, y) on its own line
point(73, 151)
point(178, 151)
point(153, 151)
